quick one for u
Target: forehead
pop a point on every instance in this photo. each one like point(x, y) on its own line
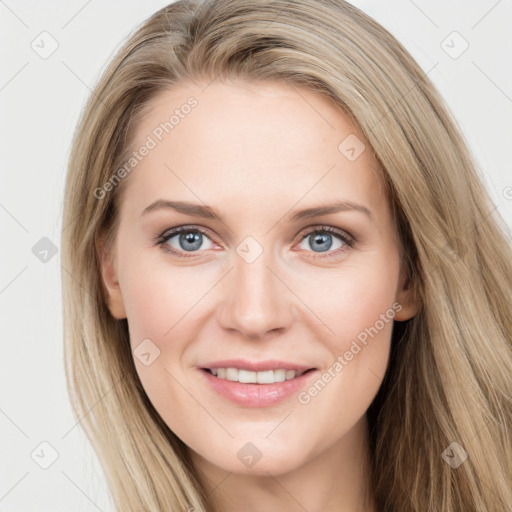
point(248, 111)
point(256, 142)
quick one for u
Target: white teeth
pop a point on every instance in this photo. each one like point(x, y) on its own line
point(290, 374)
point(271, 376)
point(248, 377)
point(231, 374)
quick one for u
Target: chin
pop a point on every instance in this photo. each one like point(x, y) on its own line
point(248, 459)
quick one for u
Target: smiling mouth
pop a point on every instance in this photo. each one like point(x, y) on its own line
point(251, 377)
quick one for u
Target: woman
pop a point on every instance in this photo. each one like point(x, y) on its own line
point(219, 359)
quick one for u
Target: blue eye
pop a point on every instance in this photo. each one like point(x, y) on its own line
point(187, 239)
point(322, 239)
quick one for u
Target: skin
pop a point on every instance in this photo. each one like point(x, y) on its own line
point(256, 153)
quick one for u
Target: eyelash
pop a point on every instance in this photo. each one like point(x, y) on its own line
point(347, 239)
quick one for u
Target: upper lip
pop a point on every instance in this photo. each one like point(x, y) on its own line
point(256, 366)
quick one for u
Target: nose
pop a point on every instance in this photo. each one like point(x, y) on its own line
point(256, 299)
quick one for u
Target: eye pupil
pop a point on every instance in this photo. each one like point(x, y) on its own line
point(325, 241)
point(191, 238)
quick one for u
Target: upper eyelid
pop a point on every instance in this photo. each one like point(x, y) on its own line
point(349, 241)
point(304, 232)
point(329, 229)
point(169, 233)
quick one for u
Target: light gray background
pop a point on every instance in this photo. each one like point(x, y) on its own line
point(40, 101)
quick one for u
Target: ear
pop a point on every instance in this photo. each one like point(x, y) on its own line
point(109, 279)
point(407, 297)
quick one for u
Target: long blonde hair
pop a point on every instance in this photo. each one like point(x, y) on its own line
point(449, 378)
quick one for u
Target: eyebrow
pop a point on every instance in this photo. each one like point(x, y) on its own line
point(208, 212)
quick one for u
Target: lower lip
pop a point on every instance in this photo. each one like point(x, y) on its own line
point(256, 395)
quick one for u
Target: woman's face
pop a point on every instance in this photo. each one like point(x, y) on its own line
point(254, 283)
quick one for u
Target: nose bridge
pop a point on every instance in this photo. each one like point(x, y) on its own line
point(256, 300)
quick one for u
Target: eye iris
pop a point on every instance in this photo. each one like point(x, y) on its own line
point(191, 237)
point(325, 241)
point(322, 240)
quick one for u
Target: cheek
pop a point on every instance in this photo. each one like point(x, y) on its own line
point(352, 300)
point(159, 302)
point(157, 296)
point(150, 307)
point(358, 311)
